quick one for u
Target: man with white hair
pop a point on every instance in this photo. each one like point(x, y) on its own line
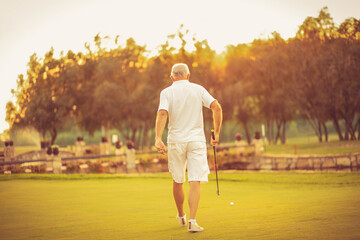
point(183, 103)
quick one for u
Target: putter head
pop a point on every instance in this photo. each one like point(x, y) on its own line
point(217, 192)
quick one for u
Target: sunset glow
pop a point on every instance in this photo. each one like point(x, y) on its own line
point(36, 26)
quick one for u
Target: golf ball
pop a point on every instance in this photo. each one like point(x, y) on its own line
point(232, 204)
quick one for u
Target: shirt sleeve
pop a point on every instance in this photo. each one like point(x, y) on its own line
point(207, 99)
point(164, 101)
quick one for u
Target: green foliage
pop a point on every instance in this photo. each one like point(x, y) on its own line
point(313, 76)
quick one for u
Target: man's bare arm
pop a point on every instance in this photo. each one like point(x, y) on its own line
point(161, 119)
point(217, 119)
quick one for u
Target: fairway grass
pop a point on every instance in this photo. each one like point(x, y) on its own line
point(267, 205)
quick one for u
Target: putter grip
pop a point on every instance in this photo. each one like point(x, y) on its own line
point(213, 134)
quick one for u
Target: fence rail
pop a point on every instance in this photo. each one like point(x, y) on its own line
point(63, 159)
point(251, 161)
point(14, 162)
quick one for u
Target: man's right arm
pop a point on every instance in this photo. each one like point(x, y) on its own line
point(217, 119)
point(161, 119)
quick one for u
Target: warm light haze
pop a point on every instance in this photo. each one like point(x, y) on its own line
point(36, 26)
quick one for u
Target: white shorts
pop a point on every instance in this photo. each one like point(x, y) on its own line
point(191, 156)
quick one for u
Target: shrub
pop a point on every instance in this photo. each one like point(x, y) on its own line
point(95, 167)
point(73, 167)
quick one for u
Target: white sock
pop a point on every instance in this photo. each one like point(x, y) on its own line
point(192, 220)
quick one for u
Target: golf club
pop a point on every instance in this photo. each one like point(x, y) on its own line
point(217, 181)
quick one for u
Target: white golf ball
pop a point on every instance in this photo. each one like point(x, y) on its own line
point(232, 204)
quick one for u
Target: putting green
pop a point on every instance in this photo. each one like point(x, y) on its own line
point(267, 205)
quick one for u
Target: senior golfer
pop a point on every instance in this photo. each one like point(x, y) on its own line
point(183, 103)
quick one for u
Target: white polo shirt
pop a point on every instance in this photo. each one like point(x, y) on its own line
point(184, 102)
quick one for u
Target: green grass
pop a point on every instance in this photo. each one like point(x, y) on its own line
point(304, 146)
point(268, 205)
point(314, 148)
point(309, 145)
point(22, 149)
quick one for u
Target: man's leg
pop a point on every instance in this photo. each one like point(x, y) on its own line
point(178, 193)
point(198, 170)
point(194, 197)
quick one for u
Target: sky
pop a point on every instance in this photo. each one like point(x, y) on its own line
point(34, 26)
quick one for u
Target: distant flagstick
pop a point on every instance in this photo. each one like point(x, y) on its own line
point(217, 181)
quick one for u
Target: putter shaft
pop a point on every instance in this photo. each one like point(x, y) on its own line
point(217, 181)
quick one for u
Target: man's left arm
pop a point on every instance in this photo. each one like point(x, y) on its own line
point(161, 119)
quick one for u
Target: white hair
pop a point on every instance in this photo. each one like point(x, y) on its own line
point(180, 70)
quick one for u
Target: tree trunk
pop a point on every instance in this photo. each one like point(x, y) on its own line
point(272, 132)
point(283, 136)
point(320, 131)
point(278, 130)
point(146, 143)
point(43, 135)
point(325, 132)
point(359, 129)
point(139, 139)
point(127, 134)
point(352, 133)
point(357, 126)
point(247, 133)
point(353, 129)
point(107, 132)
point(270, 128)
point(268, 131)
point(347, 130)
point(133, 135)
point(337, 128)
point(53, 134)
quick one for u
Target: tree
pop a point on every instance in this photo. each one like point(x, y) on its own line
point(238, 101)
point(326, 73)
point(42, 100)
point(107, 86)
point(271, 85)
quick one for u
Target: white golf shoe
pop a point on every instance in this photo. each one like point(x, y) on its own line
point(181, 220)
point(194, 227)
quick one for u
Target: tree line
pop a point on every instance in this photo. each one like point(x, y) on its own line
point(315, 76)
